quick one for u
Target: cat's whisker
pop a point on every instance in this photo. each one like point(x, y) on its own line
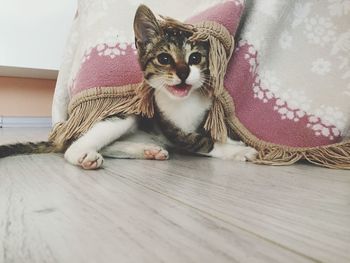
point(206, 83)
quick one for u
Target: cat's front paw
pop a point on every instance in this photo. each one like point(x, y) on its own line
point(91, 160)
point(236, 152)
point(246, 154)
point(155, 153)
point(88, 160)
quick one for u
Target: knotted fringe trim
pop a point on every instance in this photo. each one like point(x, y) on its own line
point(96, 104)
point(221, 48)
point(219, 116)
point(336, 156)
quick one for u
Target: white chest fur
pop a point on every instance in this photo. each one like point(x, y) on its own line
point(187, 114)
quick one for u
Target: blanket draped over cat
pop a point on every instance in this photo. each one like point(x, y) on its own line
point(96, 104)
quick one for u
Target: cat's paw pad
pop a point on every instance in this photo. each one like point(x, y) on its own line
point(91, 160)
point(156, 153)
point(234, 151)
point(246, 153)
point(251, 154)
point(81, 157)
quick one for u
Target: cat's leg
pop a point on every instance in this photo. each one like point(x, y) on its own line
point(84, 151)
point(138, 145)
point(204, 145)
point(135, 150)
point(233, 150)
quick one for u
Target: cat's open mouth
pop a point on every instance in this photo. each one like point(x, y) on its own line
point(180, 90)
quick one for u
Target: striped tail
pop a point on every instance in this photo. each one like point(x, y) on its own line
point(26, 148)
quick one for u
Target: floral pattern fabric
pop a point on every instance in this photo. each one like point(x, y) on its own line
point(299, 61)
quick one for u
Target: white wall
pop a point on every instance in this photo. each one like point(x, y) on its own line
point(33, 33)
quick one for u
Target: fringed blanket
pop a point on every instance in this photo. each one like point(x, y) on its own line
point(276, 102)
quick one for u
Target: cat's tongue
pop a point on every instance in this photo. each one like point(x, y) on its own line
point(181, 90)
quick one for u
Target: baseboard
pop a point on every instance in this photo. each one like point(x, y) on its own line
point(28, 72)
point(25, 122)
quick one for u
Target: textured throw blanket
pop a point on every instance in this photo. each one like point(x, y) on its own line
point(288, 77)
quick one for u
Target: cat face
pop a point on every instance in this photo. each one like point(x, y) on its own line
point(170, 62)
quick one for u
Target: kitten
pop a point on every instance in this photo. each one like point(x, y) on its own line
point(178, 72)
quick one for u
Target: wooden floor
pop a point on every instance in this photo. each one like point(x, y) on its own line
point(187, 209)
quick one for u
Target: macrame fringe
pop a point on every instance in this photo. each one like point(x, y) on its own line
point(144, 100)
point(221, 45)
point(215, 123)
point(94, 105)
point(331, 156)
point(277, 156)
point(336, 156)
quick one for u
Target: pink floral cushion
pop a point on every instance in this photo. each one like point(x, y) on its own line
point(290, 73)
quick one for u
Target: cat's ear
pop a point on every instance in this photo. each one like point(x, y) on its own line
point(146, 25)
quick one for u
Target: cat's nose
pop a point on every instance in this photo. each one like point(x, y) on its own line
point(182, 71)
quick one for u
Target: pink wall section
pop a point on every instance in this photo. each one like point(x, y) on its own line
point(25, 97)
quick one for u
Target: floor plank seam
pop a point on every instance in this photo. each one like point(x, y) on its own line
point(216, 217)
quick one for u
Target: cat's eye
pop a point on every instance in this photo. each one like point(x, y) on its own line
point(164, 59)
point(195, 58)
